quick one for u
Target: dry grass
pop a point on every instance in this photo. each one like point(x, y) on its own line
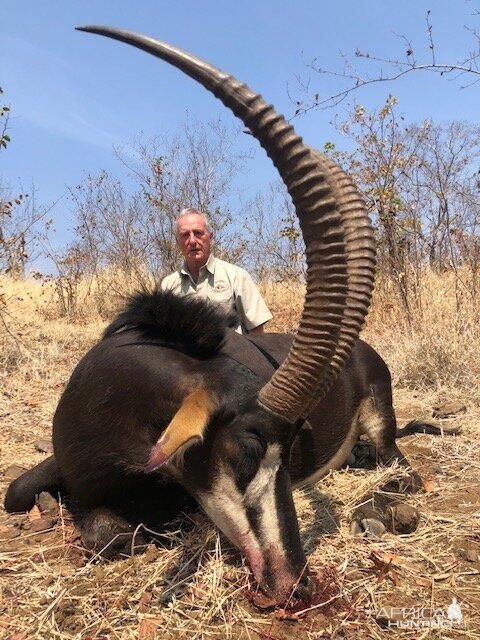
point(195, 585)
point(439, 345)
point(435, 348)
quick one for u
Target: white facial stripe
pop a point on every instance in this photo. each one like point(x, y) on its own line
point(226, 508)
point(264, 477)
point(224, 504)
point(260, 494)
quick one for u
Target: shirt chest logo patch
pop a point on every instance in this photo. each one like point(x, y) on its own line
point(221, 286)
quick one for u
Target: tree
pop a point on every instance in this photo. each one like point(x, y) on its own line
point(126, 239)
point(465, 68)
point(4, 117)
point(18, 217)
point(420, 187)
point(276, 250)
point(196, 168)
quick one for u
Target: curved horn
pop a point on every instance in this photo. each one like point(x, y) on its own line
point(337, 232)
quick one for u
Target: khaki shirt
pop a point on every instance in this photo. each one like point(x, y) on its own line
point(226, 284)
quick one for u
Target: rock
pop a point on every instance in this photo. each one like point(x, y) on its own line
point(42, 524)
point(449, 409)
point(14, 471)
point(46, 503)
point(469, 551)
point(44, 445)
point(405, 518)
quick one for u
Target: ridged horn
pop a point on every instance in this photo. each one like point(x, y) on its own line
point(339, 241)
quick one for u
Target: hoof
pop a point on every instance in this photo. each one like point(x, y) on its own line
point(368, 528)
point(123, 544)
point(381, 513)
point(404, 518)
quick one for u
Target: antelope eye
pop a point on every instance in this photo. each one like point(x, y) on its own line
point(252, 442)
point(251, 452)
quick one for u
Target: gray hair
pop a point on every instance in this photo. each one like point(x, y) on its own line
point(191, 211)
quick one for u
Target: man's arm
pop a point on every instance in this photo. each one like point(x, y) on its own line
point(259, 329)
point(250, 305)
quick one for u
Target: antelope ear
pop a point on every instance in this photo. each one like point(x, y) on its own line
point(187, 427)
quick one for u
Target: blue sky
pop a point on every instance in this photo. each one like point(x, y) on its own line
point(74, 96)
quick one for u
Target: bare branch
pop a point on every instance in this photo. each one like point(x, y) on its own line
point(391, 69)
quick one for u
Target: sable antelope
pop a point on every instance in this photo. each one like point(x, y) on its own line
point(170, 399)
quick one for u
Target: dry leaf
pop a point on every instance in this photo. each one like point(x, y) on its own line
point(18, 635)
point(384, 570)
point(146, 597)
point(423, 582)
point(442, 576)
point(380, 557)
point(428, 486)
point(42, 524)
point(147, 629)
point(4, 622)
point(395, 579)
point(157, 620)
point(145, 601)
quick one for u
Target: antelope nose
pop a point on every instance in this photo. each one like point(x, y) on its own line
point(304, 589)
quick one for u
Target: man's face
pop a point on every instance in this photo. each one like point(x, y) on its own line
point(193, 239)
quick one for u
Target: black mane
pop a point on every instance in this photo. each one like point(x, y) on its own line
point(193, 324)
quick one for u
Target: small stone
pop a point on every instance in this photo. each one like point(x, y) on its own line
point(44, 445)
point(469, 551)
point(405, 518)
point(42, 524)
point(449, 409)
point(46, 503)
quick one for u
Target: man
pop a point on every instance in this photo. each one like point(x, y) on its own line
point(204, 275)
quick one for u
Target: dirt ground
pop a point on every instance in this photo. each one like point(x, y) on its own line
point(194, 585)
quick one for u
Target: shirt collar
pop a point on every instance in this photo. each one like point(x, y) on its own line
point(209, 266)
